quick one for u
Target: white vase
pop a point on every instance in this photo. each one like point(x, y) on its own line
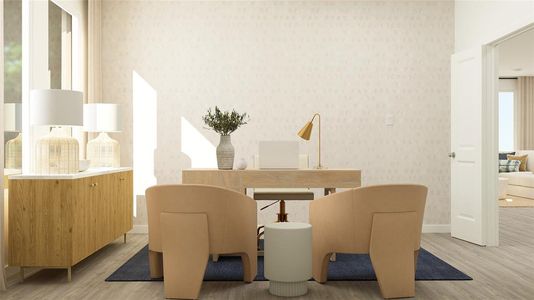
point(225, 153)
point(241, 164)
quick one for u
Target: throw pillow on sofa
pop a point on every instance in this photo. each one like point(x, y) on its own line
point(504, 155)
point(506, 166)
point(522, 159)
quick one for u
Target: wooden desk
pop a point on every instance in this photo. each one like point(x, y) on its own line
point(240, 180)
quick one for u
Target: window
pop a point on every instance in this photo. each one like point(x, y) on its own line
point(506, 121)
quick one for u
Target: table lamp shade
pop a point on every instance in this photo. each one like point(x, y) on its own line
point(101, 117)
point(56, 153)
point(56, 108)
point(305, 132)
point(13, 117)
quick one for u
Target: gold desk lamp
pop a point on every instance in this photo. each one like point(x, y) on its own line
point(305, 133)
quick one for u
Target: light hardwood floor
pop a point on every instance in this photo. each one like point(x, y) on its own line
point(512, 201)
point(505, 272)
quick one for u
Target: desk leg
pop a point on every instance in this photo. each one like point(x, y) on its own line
point(328, 191)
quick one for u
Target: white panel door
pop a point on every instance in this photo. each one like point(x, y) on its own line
point(466, 146)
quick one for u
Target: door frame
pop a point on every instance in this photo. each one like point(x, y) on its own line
point(490, 135)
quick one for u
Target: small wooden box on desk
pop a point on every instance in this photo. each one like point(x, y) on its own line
point(55, 221)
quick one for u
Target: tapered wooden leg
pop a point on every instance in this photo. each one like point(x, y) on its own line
point(69, 274)
point(215, 257)
point(392, 253)
point(185, 255)
point(125, 238)
point(320, 266)
point(155, 262)
point(250, 266)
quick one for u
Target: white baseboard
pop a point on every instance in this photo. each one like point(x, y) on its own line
point(139, 229)
point(436, 228)
point(427, 228)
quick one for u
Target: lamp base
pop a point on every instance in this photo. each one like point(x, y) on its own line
point(104, 152)
point(56, 154)
point(13, 152)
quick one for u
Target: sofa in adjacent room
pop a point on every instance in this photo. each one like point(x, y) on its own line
point(521, 184)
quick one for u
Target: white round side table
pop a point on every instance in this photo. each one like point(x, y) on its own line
point(288, 258)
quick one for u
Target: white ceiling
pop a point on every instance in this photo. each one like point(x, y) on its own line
point(516, 56)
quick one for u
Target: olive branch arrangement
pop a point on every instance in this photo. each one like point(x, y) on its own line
point(224, 122)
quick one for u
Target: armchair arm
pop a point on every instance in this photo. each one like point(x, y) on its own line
point(331, 222)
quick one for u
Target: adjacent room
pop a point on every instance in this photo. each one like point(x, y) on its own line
point(516, 94)
point(267, 149)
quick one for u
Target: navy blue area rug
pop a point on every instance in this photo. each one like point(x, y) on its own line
point(347, 267)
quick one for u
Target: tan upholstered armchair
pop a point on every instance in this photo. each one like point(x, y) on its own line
point(384, 221)
point(186, 223)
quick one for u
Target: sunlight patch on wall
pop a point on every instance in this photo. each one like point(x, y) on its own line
point(145, 130)
point(199, 149)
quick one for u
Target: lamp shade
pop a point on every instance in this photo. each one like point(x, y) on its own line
point(13, 117)
point(101, 117)
point(305, 132)
point(56, 108)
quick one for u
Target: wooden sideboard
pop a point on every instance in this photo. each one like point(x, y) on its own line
point(55, 221)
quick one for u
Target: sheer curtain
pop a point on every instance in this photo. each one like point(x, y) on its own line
point(524, 113)
point(94, 34)
point(94, 57)
point(2, 214)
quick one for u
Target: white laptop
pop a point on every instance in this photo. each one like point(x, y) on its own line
point(278, 155)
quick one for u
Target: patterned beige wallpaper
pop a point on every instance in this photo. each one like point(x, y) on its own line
point(354, 62)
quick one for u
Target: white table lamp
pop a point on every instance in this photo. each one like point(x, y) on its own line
point(103, 151)
point(56, 153)
point(13, 123)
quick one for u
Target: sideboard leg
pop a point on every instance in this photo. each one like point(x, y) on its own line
point(125, 238)
point(69, 274)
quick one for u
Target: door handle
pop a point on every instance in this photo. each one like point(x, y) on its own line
point(452, 155)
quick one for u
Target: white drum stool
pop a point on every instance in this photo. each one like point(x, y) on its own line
point(288, 258)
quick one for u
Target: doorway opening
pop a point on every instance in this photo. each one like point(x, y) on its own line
point(515, 66)
point(475, 110)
